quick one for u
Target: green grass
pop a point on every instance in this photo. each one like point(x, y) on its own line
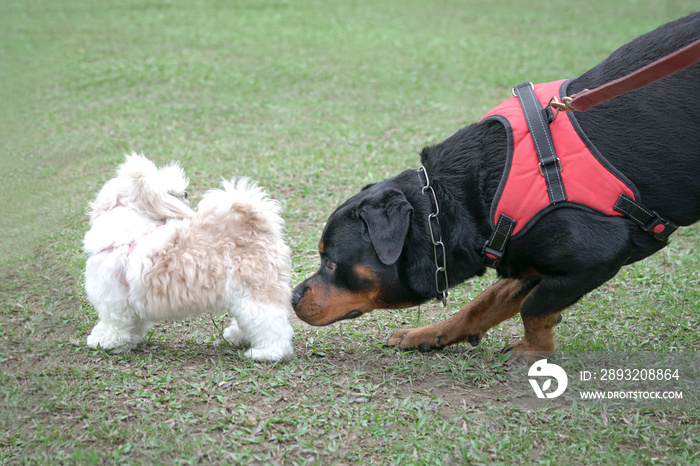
point(314, 100)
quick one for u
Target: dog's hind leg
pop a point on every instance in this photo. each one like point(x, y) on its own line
point(538, 341)
point(542, 307)
point(265, 327)
point(499, 302)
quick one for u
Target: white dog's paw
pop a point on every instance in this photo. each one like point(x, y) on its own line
point(276, 352)
point(107, 338)
point(234, 335)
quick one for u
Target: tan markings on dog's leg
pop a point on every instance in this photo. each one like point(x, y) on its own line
point(499, 302)
point(538, 341)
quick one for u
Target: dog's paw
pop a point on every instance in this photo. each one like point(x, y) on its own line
point(522, 352)
point(100, 337)
point(235, 336)
point(416, 339)
point(397, 337)
point(105, 338)
point(93, 342)
point(109, 346)
point(271, 353)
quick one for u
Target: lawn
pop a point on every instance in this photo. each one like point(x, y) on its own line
point(313, 99)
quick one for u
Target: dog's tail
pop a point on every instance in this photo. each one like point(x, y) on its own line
point(243, 197)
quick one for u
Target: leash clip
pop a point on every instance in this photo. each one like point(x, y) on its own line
point(564, 105)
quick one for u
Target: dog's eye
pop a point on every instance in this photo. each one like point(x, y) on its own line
point(329, 265)
point(182, 196)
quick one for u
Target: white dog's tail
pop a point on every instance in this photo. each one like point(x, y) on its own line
point(243, 196)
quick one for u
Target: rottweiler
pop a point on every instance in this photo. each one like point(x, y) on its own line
point(405, 240)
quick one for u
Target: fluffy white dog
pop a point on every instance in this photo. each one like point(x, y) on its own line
point(152, 258)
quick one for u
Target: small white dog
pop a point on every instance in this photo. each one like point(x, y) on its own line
point(152, 258)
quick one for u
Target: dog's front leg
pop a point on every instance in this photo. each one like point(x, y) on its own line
point(499, 302)
point(119, 329)
point(264, 326)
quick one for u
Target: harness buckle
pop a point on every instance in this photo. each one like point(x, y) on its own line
point(532, 86)
point(492, 257)
point(542, 165)
point(648, 220)
point(660, 228)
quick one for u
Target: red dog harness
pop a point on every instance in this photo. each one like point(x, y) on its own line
point(551, 164)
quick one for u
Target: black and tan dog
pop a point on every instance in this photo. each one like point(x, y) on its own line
point(377, 248)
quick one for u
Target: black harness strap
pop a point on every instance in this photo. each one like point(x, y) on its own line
point(496, 245)
point(538, 121)
point(650, 221)
point(538, 124)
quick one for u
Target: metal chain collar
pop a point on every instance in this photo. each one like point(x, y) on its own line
point(438, 245)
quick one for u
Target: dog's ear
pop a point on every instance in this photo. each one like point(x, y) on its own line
point(156, 191)
point(387, 217)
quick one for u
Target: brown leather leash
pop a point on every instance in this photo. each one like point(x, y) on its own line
point(654, 71)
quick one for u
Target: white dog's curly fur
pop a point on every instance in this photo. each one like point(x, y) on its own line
point(152, 258)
